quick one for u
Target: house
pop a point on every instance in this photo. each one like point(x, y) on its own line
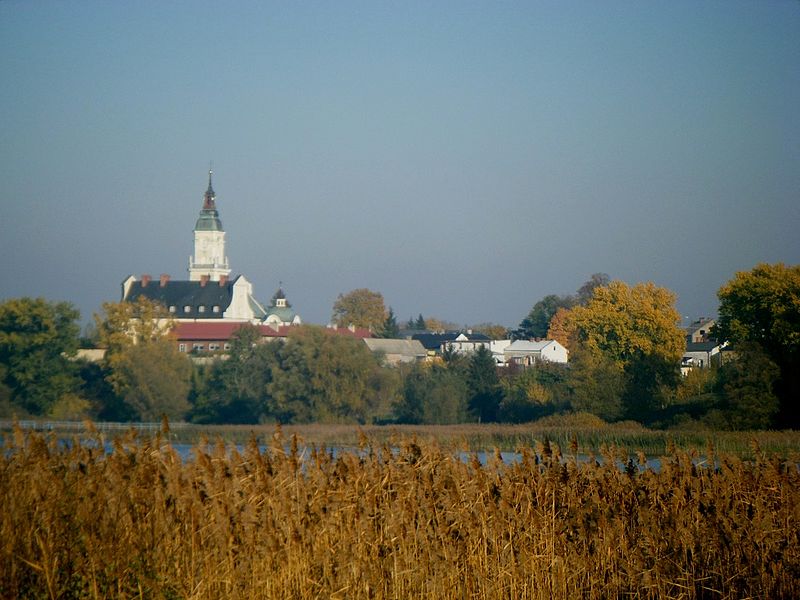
point(462, 342)
point(498, 348)
point(701, 355)
point(397, 351)
point(527, 353)
point(699, 330)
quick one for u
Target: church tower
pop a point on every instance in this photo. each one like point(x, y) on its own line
point(209, 242)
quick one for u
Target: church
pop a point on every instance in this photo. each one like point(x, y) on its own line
point(211, 296)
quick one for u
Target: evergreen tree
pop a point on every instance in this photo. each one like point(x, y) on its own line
point(420, 323)
point(390, 328)
point(483, 384)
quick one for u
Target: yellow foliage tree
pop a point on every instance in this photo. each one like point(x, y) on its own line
point(361, 308)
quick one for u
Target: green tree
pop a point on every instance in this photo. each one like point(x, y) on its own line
point(235, 390)
point(636, 327)
point(597, 384)
point(762, 307)
point(420, 323)
point(36, 339)
point(536, 324)
point(324, 377)
point(483, 385)
point(361, 308)
point(745, 386)
point(532, 393)
point(432, 394)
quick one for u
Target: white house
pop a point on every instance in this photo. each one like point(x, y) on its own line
point(526, 353)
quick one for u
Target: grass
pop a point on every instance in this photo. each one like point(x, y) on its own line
point(407, 521)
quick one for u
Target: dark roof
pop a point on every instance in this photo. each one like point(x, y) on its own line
point(701, 346)
point(434, 341)
point(181, 294)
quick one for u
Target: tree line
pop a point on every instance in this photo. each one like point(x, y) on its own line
point(625, 348)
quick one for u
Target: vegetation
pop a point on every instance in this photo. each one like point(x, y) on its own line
point(625, 348)
point(361, 308)
point(417, 521)
point(760, 311)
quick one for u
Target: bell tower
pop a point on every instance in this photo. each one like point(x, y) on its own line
point(209, 241)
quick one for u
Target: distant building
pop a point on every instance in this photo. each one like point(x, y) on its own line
point(699, 330)
point(527, 353)
point(397, 351)
point(461, 342)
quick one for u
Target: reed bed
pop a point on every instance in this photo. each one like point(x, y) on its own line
point(408, 519)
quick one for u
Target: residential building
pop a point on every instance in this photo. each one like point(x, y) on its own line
point(527, 353)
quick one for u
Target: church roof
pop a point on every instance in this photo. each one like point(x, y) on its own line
point(209, 216)
point(200, 298)
point(284, 313)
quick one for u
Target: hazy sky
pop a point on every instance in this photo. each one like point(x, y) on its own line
point(462, 158)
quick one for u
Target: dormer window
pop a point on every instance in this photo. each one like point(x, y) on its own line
point(215, 308)
point(201, 308)
point(280, 303)
point(172, 308)
point(187, 309)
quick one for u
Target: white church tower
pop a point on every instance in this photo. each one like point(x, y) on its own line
point(209, 242)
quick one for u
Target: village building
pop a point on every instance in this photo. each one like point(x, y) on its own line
point(528, 353)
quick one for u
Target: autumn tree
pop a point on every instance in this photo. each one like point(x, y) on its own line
point(638, 328)
point(762, 307)
point(144, 366)
point(361, 308)
point(36, 339)
point(492, 330)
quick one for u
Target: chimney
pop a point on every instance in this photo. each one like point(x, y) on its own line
point(163, 280)
point(223, 279)
point(145, 280)
point(203, 280)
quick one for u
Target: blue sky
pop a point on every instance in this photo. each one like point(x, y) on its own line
point(462, 158)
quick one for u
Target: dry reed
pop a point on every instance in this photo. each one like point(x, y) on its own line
point(402, 520)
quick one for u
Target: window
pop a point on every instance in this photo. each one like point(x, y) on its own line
point(215, 308)
point(172, 308)
point(197, 347)
point(213, 347)
point(187, 309)
point(201, 308)
point(181, 347)
point(227, 346)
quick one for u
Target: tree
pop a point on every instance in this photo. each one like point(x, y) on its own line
point(323, 377)
point(536, 324)
point(361, 308)
point(235, 389)
point(597, 384)
point(483, 385)
point(762, 307)
point(144, 366)
point(532, 393)
point(390, 328)
point(420, 323)
point(492, 330)
point(745, 386)
point(636, 327)
point(586, 291)
point(432, 394)
point(36, 339)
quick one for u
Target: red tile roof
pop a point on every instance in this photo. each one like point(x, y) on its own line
point(199, 330)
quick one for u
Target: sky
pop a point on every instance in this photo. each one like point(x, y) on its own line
point(463, 158)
